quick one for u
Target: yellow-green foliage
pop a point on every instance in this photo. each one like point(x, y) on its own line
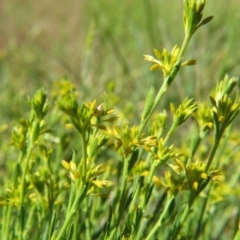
point(78, 169)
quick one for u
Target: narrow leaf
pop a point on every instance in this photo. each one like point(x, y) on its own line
point(133, 159)
point(149, 193)
point(237, 236)
point(52, 226)
point(178, 219)
point(216, 125)
point(70, 232)
point(157, 53)
point(149, 103)
point(108, 223)
point(213, 101)
point(169, 210)
point(206, 20)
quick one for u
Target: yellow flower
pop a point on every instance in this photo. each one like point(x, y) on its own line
point(166, 61)
point(72, 168)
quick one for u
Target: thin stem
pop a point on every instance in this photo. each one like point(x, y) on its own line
point(6, 224)
point(149, 181)
point(72, 194)
point(22, 192)
point(199, 227)
point(164, 87)
point(7, 220)
point(159, 96)
point(176, 228)
point(144, 203)
point(214, 149)
point(184, 45)
point(88, 221)
point(160, 220)
point(157, 209)
point(122, 199)
point(196, 141)
point(170, 132)
point(76, 204)
point(84, 150)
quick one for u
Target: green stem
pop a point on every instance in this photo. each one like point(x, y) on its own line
point(196, 141)
point(214, 149)
point(22, 192)
point(122, 199)
point(198, 230)
point(84, 153)
point(76, 204)
point(184, 45)
point(157, 210)
point(203, 208)
point(6, 228)
point(148, 185)
point(160, 94)
point(144, 203)
point(177, 227)
point(166, 83)
point(31, 218)
point(6, 223)
point(72, 194)
point(160, 220)
point(169, 134)
point(23, 182)
point(88, 219)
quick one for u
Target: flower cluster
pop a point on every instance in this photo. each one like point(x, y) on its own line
point(193, 16)
point(166, 60)
point(128, 138)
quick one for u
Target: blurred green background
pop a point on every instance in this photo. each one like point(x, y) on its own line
point(99, 45)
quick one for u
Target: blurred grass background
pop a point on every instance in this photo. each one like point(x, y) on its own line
point(99, 45)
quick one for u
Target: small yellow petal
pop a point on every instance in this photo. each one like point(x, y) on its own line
point(195, 186)
point(149, 58)
point(66, 164)
point(204, 176)
point(73, 166)
point(155, 66)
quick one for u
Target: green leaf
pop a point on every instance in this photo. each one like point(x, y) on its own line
point(74, 156)
point(237, 236)
point(148, 194)
point(173, 72)
point(16, 174)
point(178, 217)
point(169, 209)
point(52, 226)
point(213, 101)
point(206, 20)
point(35, 130)
point(157, 53)
point(216, 125)
point(149, 103)
point(131, 195)
point(54, 235)
point(21, 215)
point(203, 184)
point(108, 223)
point(137, 219)
point(70, 232)
point(133, 159)
point(93, 148)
